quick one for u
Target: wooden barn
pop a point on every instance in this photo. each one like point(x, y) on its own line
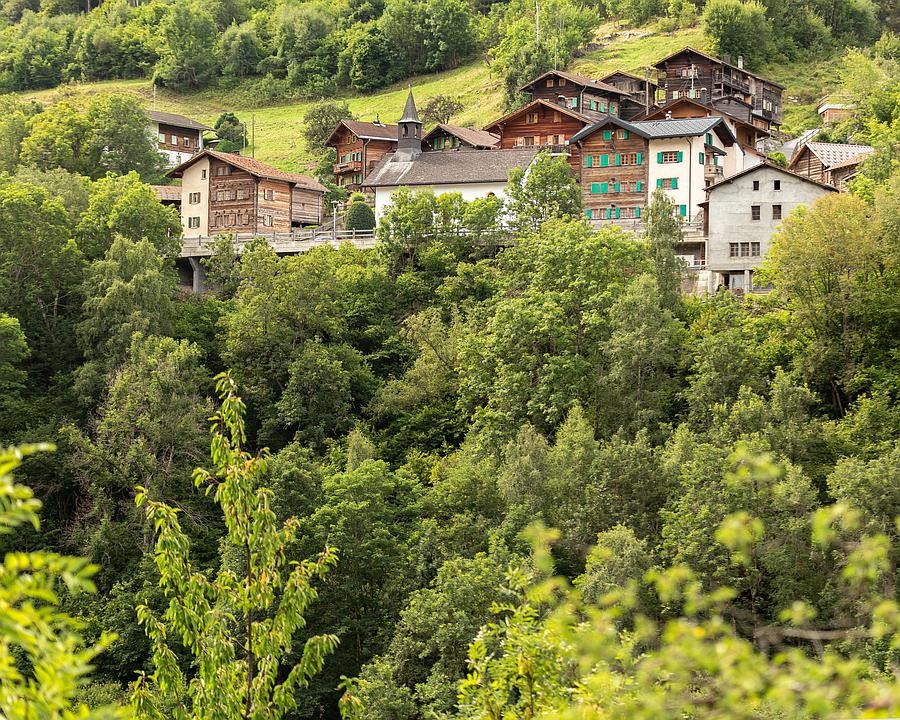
point(829, 163)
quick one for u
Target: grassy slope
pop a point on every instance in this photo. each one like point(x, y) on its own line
point(278, 127)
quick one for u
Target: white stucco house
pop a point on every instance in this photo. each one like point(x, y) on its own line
point(471, 173)
point(743, 212)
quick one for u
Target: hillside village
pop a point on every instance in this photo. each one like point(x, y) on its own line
point(696, 126)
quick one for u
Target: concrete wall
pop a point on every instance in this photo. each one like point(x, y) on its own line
point(196, 180)
point(730, 219)
point(469, 192)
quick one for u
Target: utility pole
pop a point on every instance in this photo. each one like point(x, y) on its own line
point(253, 135)
point(537, 21)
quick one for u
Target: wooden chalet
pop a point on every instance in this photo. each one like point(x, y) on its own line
point(540, 123)
point(590, 97)
point(748, 135)
point(178, 137)
point(453, 137)
point(641, 93)
point(829, 163)
point(229, 193)
point(359, 147)
point(694, 74)
point(621, 162)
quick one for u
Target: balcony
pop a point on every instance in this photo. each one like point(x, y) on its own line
point(354, 166)
point(713, 173)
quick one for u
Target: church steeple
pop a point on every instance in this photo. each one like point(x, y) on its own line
point(409, 132)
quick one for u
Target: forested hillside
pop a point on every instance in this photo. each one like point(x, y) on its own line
point(498, 467)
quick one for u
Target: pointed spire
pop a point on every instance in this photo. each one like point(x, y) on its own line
point(410, 114)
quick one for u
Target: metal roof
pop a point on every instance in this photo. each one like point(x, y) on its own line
point(658, 129)
point(834, 154)
point(176, 120)
point(410, 114)
point(450, 168)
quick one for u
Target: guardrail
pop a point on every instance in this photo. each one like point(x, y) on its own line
point(283, 243)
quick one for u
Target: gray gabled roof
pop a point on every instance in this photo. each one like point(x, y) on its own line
point(583, 80)
point(769, 166)
point(658, 129)
point(176, 120)
point(835, 154)
point(453, 168)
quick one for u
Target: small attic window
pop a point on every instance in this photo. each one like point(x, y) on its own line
point(405, 130)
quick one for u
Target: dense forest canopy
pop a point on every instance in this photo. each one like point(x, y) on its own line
point(310, 48)
point(497, 467)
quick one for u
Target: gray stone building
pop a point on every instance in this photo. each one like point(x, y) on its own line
point(743, 212)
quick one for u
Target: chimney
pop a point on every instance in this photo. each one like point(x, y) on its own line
point(741, 62)
point(377, 120)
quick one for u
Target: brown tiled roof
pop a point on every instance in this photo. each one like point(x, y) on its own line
point(255, 167)
point(836, 154)
point(578, 80)
point(367, 130)
point(176, 120)
point(167, 192)
point(471, 136)
point(450, 168)
point(555, 106)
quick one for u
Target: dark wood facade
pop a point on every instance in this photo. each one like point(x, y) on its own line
point(178, 139)
point(359, 147)
point(613, 171)
point(698, 76)
point(807, 164)
point(451, 137)
point(747, 134)
point(641, 93)
point(538, 124)
point(586, 96)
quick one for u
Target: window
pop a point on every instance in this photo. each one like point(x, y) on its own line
point(630, 159)
point(709, 138)
point(194, 222)
point(573, 102)
point(607, 134)
point(186, 141)
point(267, 220)
point(556, 116)
point(743, 249)
point(623, 134)
point(162, 137)
point(529, 141)
point(223, 170)
point(203, 174)
point(531, 118)
point(194, 198)
point(669, 156)
point(174, 140)
point(756, 184)
point(776, 212)
point(754, 212)
point(776, 185)
point(268, 194)
point(550, 82)
point(667, 183)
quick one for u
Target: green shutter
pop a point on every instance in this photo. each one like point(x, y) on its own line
point(587, 213)
point(604, 161)
point(607, 135)
point(603, 106)
point(638, 186)
point(640, 157)
point(637, 212)
point(618, 160)
point(709, 138)
point(625, 137)
point(716, 160)
point(659, 158)
point(680, 156)
point(588, 161)
point(700, 157)
point(617, 187)
point(683, 210)
point(595, 188)
point(674, 183)
point(618, 213)
point(604, 187)
point(659, 182)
